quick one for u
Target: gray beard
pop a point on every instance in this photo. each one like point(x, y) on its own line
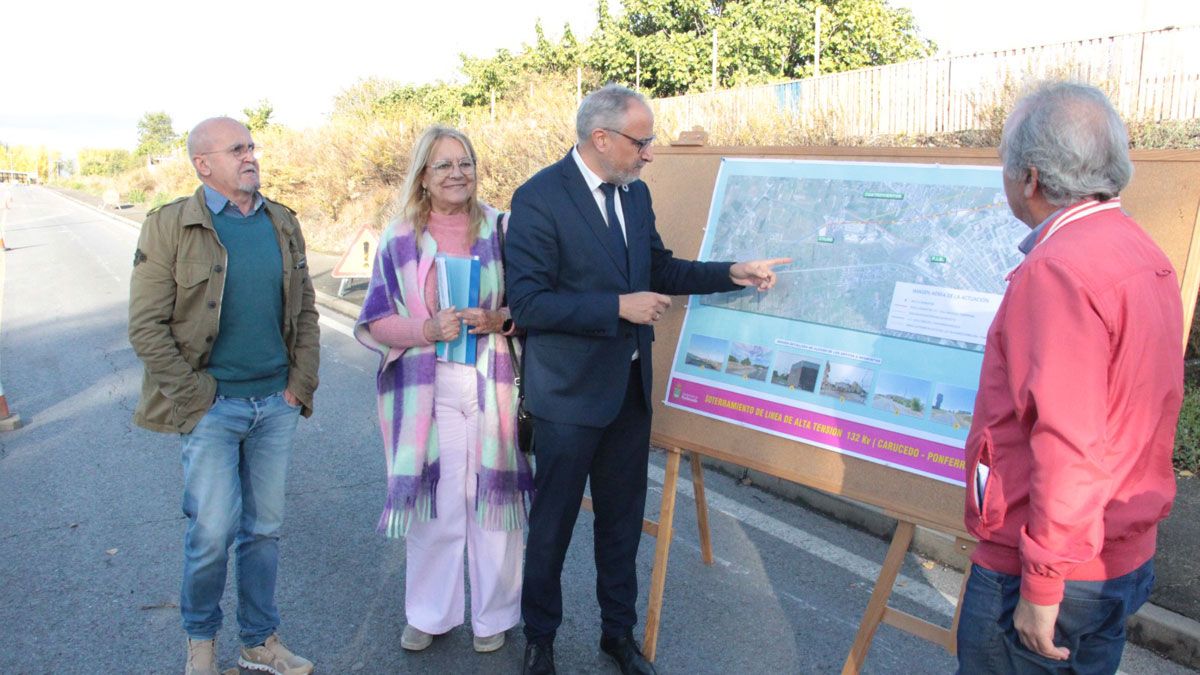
point(623, 178)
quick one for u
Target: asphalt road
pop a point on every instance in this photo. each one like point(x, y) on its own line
point(91, 527)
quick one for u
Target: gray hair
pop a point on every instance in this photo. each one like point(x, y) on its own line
point(1072, 134)
point(604, 108)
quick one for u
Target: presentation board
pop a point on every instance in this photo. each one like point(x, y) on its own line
point(819, 451)
point(871, 342)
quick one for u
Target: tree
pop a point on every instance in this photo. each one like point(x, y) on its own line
point(258, 118)
point(360, 101)
point(757, 41)
point(427, 102)
point(863, 33)
point(103, 161)
point(155, 135)
point(548, 57)
point(375, 98)
point(500, 74)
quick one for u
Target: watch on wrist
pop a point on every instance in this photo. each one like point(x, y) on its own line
point(507, 326)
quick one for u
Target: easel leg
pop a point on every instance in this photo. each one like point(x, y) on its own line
point(706, 553)
point(879, 597)
point(662, 548)
point(962, 593)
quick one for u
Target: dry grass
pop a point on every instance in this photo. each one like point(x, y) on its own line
point(345, 173)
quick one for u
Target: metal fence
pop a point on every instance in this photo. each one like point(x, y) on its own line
point(1150, 76)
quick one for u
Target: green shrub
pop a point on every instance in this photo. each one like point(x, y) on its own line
point(161, 198)
point(104, 161)
point(1187, 436)
point(1164, 134)
point(1193, 343)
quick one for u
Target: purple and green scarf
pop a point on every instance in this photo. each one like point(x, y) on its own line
point(404, 387)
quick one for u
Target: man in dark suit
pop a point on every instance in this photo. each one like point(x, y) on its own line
point(588, 276)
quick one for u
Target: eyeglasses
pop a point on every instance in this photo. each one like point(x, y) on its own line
point(641, 143)
point(239, 151)
point(446, 167)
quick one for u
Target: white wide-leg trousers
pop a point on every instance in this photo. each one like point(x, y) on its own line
point(433, 585)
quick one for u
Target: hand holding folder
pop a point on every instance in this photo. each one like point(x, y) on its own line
point(458, 286)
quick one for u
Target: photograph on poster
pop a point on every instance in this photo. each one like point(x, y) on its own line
point(707, 352)
point(795, 372)
point(953, 406)
point(749, 361)
point(848, 384)
point(901, 395)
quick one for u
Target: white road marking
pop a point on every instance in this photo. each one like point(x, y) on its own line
point(917, 591)
point(128, 225)
point(335, 325)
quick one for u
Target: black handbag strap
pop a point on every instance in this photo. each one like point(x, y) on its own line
point(518, 367)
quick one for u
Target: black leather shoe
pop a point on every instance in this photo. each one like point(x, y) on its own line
point(539, 659)
point(628, 655)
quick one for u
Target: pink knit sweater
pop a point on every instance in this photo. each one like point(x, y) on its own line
point(450, 233)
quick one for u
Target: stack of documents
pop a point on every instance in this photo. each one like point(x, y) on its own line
point(458, 286)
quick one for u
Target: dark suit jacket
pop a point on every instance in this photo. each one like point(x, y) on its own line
point(563, 281)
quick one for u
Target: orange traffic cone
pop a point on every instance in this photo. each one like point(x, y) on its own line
point(8, 420)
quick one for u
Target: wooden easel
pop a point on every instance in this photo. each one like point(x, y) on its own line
point(878, 611)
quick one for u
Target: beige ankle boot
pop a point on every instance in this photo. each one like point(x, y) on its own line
point(202, 657)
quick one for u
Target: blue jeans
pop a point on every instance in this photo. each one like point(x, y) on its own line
point(234, 466)
point(1091, 623)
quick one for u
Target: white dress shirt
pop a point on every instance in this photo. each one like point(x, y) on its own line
point(594, 182)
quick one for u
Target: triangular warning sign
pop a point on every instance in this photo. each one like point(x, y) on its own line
point(356, 262)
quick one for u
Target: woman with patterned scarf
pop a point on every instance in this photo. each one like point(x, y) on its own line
point(455, 476)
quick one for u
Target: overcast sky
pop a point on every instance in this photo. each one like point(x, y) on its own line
point(81, 74)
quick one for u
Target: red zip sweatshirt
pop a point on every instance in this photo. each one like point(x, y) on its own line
point(1079, 394)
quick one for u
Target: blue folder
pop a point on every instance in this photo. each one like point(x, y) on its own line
point(458, 286)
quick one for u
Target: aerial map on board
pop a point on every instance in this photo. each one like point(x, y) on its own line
point(854, 241)
point(872, 339)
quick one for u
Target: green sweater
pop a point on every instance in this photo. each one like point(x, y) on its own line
point(249, 358)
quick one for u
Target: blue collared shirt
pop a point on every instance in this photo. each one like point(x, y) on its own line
point(1031, 240)
point(218, 203)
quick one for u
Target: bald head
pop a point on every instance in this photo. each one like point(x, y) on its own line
point(203, 135)
point(222, 154)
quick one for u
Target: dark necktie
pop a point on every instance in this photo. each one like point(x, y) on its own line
point(614, 224)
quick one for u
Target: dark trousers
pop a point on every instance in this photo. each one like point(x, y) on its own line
point(1091, 623)
point(615, 458)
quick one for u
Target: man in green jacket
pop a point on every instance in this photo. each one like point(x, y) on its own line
point(222, 315)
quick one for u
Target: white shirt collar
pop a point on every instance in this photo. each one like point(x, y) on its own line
point(593, 181)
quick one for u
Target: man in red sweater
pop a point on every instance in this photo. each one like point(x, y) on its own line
point(1069, 455)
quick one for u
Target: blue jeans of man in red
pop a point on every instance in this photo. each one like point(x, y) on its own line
point(1091, 623)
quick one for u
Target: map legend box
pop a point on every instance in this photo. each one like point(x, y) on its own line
point(946, 313)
